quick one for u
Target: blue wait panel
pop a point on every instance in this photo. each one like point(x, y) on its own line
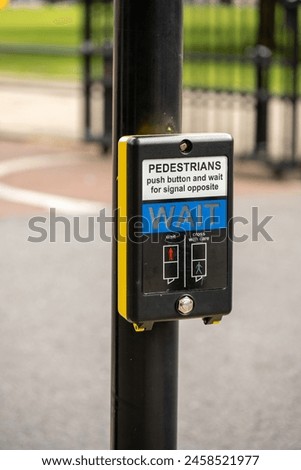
point(160, 217)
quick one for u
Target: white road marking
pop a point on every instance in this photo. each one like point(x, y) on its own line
point(17, 165)
point(40, 199)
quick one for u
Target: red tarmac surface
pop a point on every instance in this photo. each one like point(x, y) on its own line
point(79, 171)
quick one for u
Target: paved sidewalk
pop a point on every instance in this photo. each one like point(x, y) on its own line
point(41, 108)
point(36, 175)
point(55, 109)
point(239, 382)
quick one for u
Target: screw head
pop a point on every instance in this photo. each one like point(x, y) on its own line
point(183, 146)
point(185, 305)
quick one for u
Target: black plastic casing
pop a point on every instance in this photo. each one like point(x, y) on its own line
point(162, 306)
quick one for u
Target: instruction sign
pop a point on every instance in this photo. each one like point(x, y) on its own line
point(192, 211)
point(173, 178)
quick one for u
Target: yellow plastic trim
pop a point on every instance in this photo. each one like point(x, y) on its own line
point(138, 328)
point(122, 227)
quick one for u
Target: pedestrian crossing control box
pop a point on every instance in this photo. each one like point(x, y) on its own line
point(174, 228)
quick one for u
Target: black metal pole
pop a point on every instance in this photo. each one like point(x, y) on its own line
point(292, 20)
point(147, 100)
point(262, 73)
point(262, 57)
point(87, 67)
point(106, 139)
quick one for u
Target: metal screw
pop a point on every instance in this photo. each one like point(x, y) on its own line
point(183, 146)
point(185, 305)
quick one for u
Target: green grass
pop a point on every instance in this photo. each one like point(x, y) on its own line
point(222, 75)
point(220, 29)
point(199, 24)
point(60, 68)
point(231, 31)
point(55, 25)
